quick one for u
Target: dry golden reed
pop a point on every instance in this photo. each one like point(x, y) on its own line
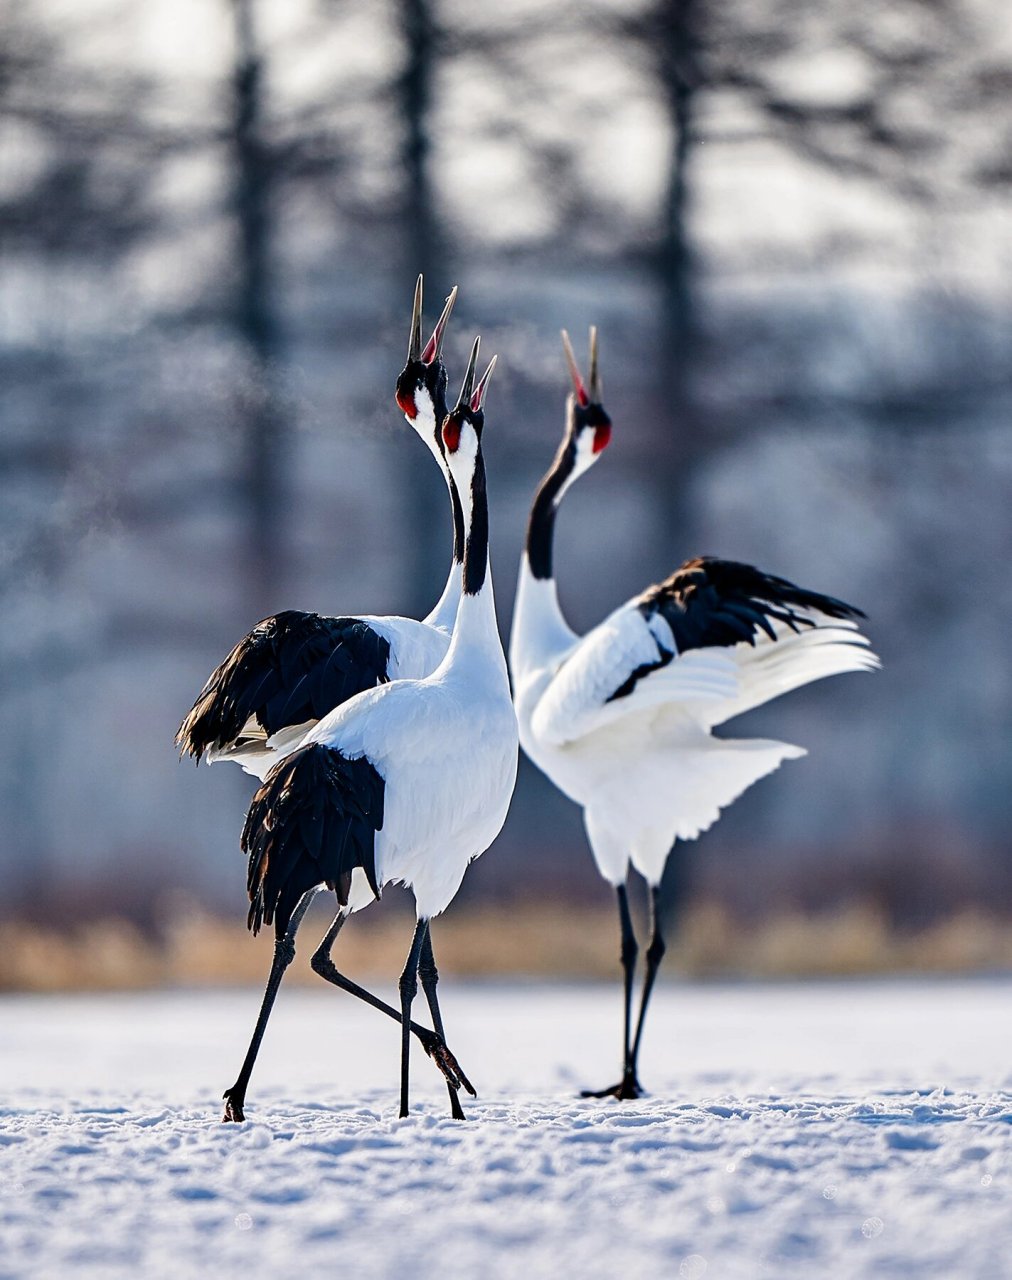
point(196, 949)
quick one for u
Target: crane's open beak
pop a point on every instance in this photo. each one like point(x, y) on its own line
point(478, 397)
point(435, 344)
point(467, 387)
point(574, 371)
point(585, 397)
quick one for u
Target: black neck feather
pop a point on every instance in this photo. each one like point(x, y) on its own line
point(476, 549)
point(541, 525)
point(459, 532)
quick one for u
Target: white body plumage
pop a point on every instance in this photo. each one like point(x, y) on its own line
point(620, 719)
point(446, 747)
point(646, 768)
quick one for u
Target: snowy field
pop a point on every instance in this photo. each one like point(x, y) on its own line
point(844, 1130)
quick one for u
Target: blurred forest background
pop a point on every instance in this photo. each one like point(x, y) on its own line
point(791, 223)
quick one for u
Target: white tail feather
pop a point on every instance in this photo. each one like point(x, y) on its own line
point(257, 754)
point(286, 740)
point(716, 778)
point(687, 790)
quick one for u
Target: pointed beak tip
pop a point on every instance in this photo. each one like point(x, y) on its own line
point(595, 375)
point(415, 332)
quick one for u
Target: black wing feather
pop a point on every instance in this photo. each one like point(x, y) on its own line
point(711, 603)
point(313, 821)
point(291, 668)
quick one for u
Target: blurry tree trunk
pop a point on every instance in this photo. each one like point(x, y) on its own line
point(421, 236)
point(426, 546)
point(682, 443)
point(676, 53)
point(671, 31)
point(256, 319)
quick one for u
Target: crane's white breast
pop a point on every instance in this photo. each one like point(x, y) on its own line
point(448, 757)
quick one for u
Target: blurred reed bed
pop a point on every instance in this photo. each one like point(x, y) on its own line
point(195, 949)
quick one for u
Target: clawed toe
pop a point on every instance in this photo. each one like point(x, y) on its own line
point(448, 1065)
point(234, 1113)
point(627, 1089)
point(465, 1083)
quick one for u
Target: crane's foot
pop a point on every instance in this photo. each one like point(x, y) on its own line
point(627, 1089)
point(234, 1113)
point(435, 1046)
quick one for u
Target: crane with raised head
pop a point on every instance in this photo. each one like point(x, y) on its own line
point(406, 783)
point(293, 668)
point(621, 719)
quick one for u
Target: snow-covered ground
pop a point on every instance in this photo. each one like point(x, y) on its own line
point(845, 1130)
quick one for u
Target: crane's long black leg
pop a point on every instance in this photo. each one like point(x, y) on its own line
point(429, 975)
point(655, 954)
point(408, 987)
point(629, 953)
point(431, 1041)
point(284, 954)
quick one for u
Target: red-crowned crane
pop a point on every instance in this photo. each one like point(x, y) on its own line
point(295, 667)
point(620, 719)
point(407, 782)
point(291, 669)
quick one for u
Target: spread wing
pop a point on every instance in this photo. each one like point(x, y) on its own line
point(710, 602)
point(717, 638)
point(290, 669)
point(313, 821)
point(627, 664)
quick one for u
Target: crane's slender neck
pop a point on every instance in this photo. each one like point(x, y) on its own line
point(540, 631)
point(459, 526)
point(476, 545)
point(429, 429)
point(476, 648)
point(444, 612)
point(541, 524)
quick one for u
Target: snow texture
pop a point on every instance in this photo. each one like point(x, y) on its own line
point(844, 1130)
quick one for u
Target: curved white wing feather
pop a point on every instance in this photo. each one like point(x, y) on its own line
point(628, 665)
point(770, 668)
point(622, 667)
